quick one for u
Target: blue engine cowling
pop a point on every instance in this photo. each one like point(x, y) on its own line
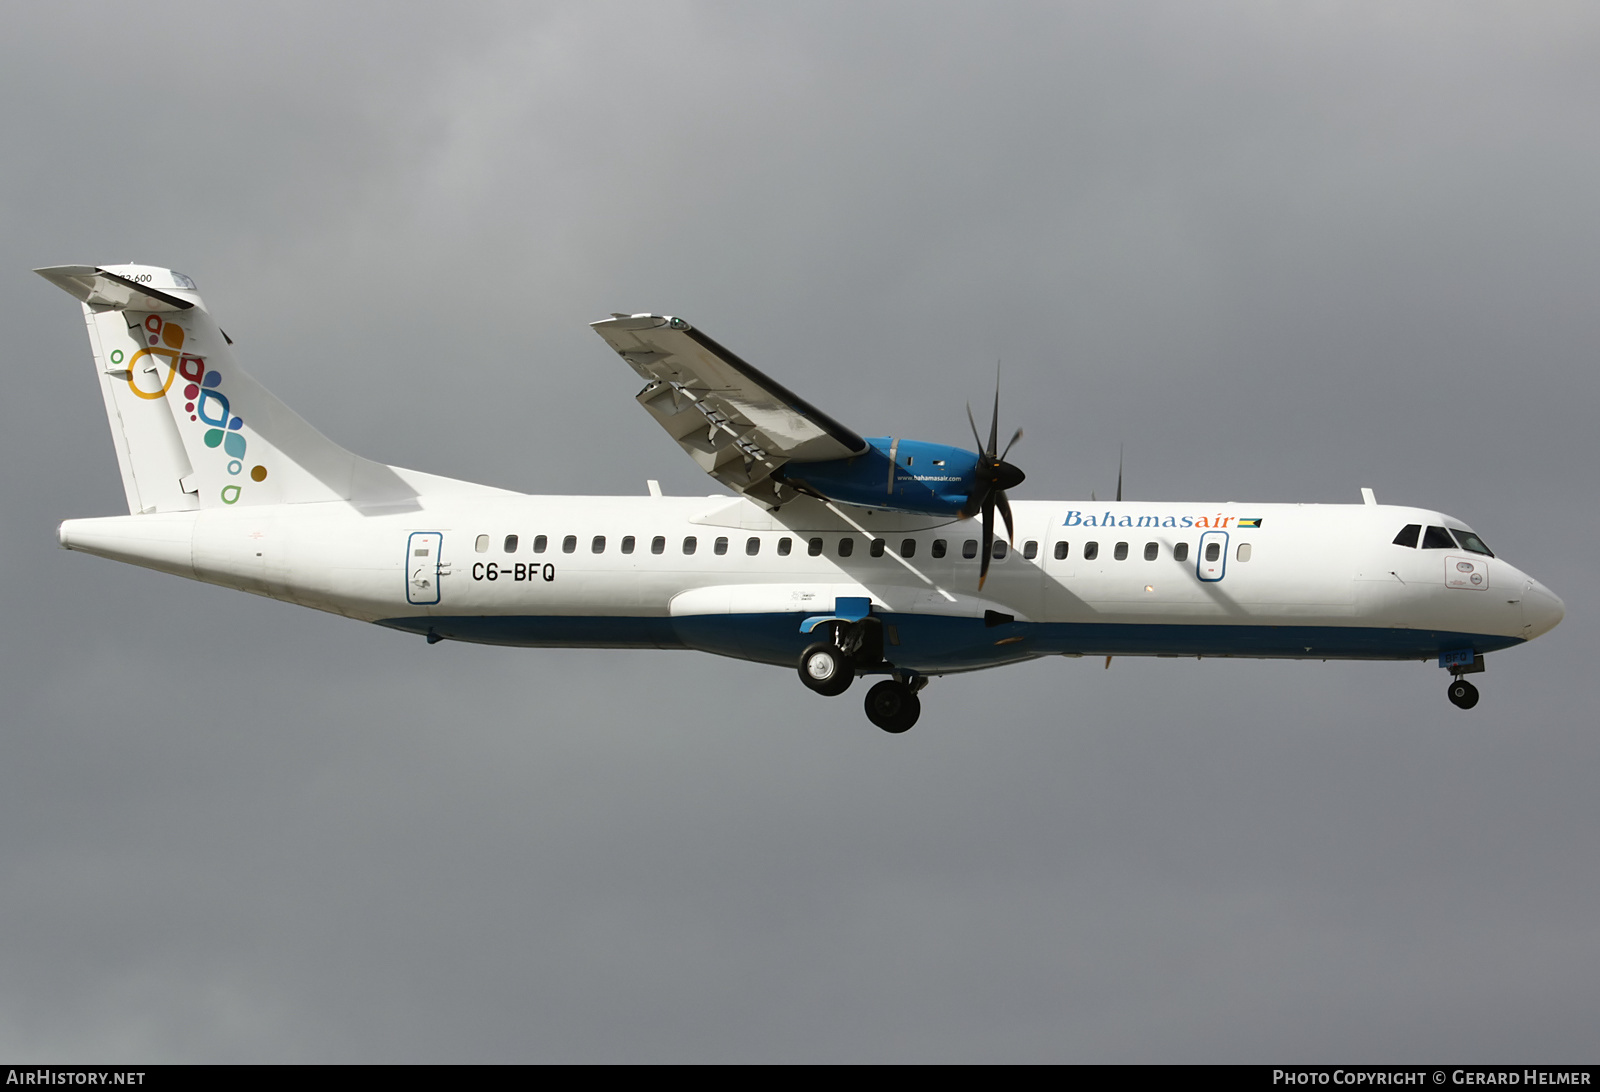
point(898, 475)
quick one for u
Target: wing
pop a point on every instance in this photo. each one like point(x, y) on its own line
point(736, 423)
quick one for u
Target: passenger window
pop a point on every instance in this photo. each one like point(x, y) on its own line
point(938, 547)
point(1091, 550)
point(1213, 550)
point(627, 544)
point(908, 548)
point(482, 545)
point(1437, 538)
point(658, 545)
point(569, 544)
point(999, 550)
point(969, 549)
point(752, 546)
point(1470, 541)
point(1121, 552)
point(785, 544)
point(847, 546)
point(1180, 552)
point(1152, 550)
point(539, 543)
point(1030, 549)
point(689, 544)
point(1061, 551)
point(720, 546)
point(1243, 552)
point(814, 548)
point(598, 546)
point(876, 549)
point(511, 544)
point(1408, 535)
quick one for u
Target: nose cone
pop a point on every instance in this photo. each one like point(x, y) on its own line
point(1007, 476)
point(1541, 609)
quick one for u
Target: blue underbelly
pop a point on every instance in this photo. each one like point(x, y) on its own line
point(934, 644)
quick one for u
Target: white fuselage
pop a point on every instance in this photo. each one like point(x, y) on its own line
point(1300, 581)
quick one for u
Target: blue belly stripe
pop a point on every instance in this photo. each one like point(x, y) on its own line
point(935, 644)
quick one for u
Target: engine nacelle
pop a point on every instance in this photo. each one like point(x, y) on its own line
point(893, 474)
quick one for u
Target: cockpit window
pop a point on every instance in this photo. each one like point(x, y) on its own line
point(1408, 535)
point(1437, 538)
point(1471, 542)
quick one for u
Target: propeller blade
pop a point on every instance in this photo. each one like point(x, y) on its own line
point(1119, 471)
point(988, 538)
point(991, 477)
point(981, 488)
point(994, 422)
point(975, 437)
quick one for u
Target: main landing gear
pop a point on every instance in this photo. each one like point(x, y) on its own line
point(893, 705)
point(829, 667)
point(825, 668)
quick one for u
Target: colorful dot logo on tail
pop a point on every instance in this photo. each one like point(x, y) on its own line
point(204, 400)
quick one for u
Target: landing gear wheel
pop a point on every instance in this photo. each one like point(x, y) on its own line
point(1463, 695)
point(826, 670)
point(893, 706)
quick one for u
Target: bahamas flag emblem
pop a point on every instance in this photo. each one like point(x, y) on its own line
point(1247, 523)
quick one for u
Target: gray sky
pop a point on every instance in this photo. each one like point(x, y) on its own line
point(1280, 251)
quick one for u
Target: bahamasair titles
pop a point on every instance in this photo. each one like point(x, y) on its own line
point(835, 555)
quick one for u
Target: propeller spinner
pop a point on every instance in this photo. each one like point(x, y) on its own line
point(990, 480)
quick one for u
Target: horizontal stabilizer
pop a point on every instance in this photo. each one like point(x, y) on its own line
point(104, 291)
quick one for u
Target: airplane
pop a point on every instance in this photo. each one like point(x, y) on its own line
point(836, 555)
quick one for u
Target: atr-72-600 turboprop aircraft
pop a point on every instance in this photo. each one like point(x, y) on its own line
point(839, 555)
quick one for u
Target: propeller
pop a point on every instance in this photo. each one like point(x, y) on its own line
point(990, 480)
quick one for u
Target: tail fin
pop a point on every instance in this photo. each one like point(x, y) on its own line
point(191, 428)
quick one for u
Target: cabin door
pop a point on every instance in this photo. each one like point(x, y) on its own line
point(1212, 560)
point(422, 568)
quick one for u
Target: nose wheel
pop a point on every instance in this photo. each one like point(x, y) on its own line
point(1461, 663)
point(1463, 695)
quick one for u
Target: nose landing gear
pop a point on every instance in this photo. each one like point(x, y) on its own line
point(1461, 663)
point(1463, 695)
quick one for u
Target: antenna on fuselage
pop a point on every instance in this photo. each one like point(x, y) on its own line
point(1092, 497)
